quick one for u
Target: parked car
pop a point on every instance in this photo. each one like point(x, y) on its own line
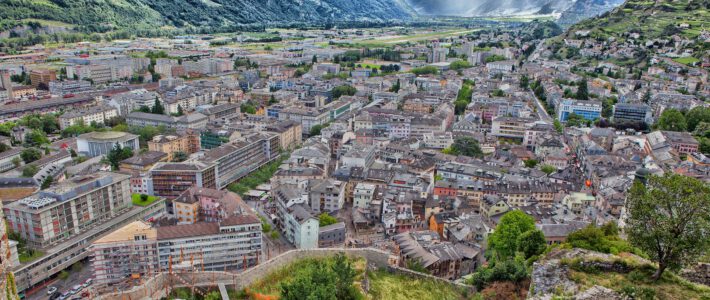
point(51, 290)
point(64, 295)
point(76, 289)
point(88, 282)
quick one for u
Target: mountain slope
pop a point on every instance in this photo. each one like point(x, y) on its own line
point(201, 12)
point(650, 19)
point(468, 8)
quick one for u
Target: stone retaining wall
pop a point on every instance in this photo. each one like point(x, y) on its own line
point(698, 274)
point(156, 285)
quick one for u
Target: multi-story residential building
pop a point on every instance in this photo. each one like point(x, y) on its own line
point(170, 180)
point(307, 116)
point(469, 172)
point(511, 127)
point(326, 195)
point(69, 208)
point(128, 102)
point(441, 140)
point(187, 141)
point(205, 204)
point(101, 143)
point(89, 115)
point(589, 110)
point(41, 78)
point(363, 194)
point(439, 258)
point(239, 158)
point(577, 202)
point(189, 121)
point(235, 243)
point(681, 142)
point(633, 112)
point(142, 162)
point(290, 133)
point(6, 285)
point(295, 219)
point(67, 87)
point(128, 251)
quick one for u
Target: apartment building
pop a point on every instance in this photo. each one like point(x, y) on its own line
point(42, 77)
point(511, 127)
point(290, 133)
point(210, 205)
point(187, 142)
point(138, 249)
point(94, 114)
point(239, 158)
point(170, 180)
point(69, 208)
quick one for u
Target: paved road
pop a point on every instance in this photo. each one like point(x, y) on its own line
point(75, 278)
point(541, 110)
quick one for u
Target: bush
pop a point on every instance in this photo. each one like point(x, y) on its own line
point(513, 270)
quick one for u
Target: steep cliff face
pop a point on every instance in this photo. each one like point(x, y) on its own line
point(202, 12)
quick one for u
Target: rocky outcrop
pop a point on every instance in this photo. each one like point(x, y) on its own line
point(700, 274)
point(550, 275)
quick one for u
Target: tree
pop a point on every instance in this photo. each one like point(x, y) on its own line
point(505, 240)
point(272, 100)
point(668, 219)
point(466, 146)
point(16, 161)
point(459, 64)
point(395, 88)
point(49, 123)
point(30, 155)
point(530, 163)
point(117, 154)
point(558, 126)
point(345, 275)
point(325, 219)
point(248, 108)
point(582, 90)
point(30, 170)
point(314, 59)
point(575, 120)
point(36, 138)
point(315, 130)
point(4, 147)
point(672, 120)
point(548, 169)
point(532, 243)
point(696, 116)
point(524, 81)
point(179, 156)
point(158, 108)
point(180, 112)
point(343, 90)
point(47, 182)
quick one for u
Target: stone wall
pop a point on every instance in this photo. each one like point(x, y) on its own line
point(155, 286)
point(698, 274)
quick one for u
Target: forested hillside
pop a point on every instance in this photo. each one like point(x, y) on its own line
point(98, 15)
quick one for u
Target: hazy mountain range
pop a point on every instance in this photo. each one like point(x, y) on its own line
point(216, 13)
point(469, 8)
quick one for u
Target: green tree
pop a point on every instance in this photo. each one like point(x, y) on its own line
point(30, 155)
point(575, 120)
point(16, 161)
point(696, 116)
point(4, 147)
point(272, 100)
point(325, 219)
point(315, 130)
point(248, 108)
point(672, 120)
point(532, 243)
point(144, 197)
point(343, 90)
point(345, 275)
point(459, 64)
point(47, 182)
point(158, 107)
point(668, 219)
point(49, 123)
point(117, 154)
point(179, 156)
point(524, 81)
point(314, 59)
point(505, 240)
point(530, 163)
point(395, 87)
point(36, 138)
point(180, 112)
point(558, 126)
point(466, 146)
point(30, 170)
point(548, 169)
point(425, 70)
point(582, 90)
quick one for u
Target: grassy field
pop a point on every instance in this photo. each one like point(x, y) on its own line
point(136, 198)
point(386, 286)
point(393, 40)
point(638, 282)
point(686, 60)
point(383, 285)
